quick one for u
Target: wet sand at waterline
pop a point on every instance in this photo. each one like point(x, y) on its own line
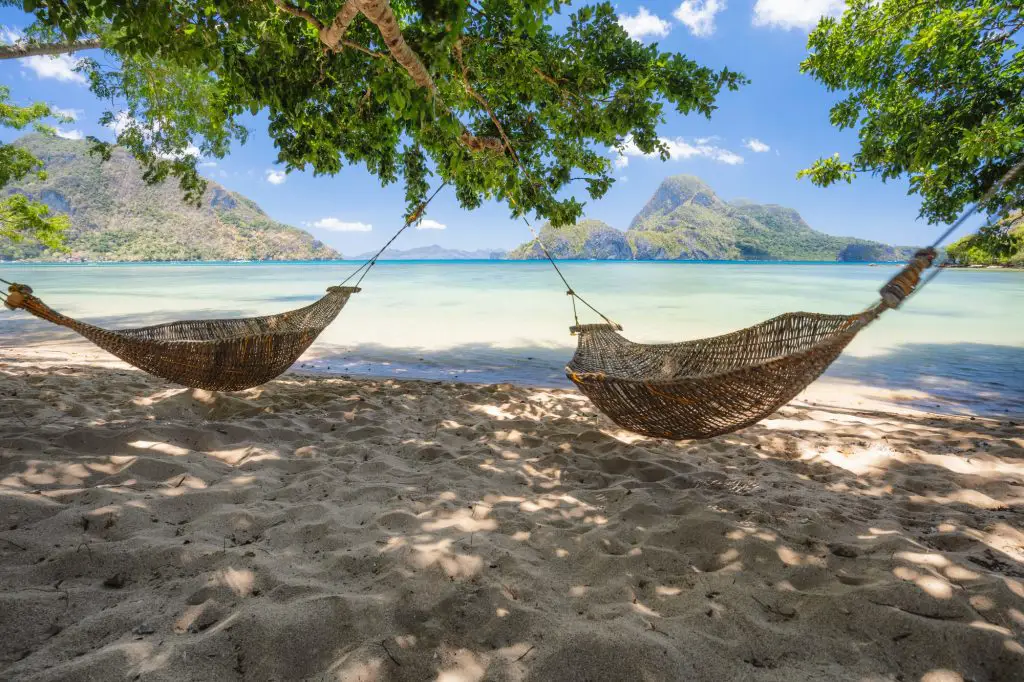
point(337, 529)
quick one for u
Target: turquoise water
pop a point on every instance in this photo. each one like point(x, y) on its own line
point(960, 341)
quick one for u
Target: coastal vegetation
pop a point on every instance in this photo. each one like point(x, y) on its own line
point(490, 98)
point(686, 220)
point(20, 217)
point(116, 216)
point(1000, 244)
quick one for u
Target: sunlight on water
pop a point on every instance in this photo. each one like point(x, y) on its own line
point(492, 321)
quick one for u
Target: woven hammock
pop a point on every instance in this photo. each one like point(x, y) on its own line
point(704, 388)
point(216, 355)
point(709, 387)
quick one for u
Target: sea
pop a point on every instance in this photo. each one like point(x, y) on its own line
point(956, 346)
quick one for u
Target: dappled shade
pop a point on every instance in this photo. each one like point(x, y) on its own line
point(424, 531)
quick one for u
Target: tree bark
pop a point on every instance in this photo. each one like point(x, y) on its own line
point(331, 36)
point(380, 15)
point(19, 50)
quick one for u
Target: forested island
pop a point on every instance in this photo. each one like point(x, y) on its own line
point(116, 216)
point(686, 220)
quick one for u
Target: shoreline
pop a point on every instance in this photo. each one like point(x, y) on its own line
point(839, 389)
point(410, 530)
point(479, 261)
point(468, 260)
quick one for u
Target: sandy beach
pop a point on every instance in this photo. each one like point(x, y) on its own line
point(332, 529)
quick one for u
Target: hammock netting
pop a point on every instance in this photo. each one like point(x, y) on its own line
point(707, 387)
point(216, 355)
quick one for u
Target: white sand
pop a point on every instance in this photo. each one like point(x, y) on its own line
point(356, 530)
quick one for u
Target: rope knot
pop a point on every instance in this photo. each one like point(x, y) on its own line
point(17, 294)
point(903, 284)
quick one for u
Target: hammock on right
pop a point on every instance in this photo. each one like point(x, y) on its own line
point(708, 387)
point(704, 388)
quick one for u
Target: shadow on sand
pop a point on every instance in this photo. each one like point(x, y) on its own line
point(333, 529)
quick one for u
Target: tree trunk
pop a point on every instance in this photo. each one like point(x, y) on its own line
point(380, 14)
point(19, 50)
point(331, 35)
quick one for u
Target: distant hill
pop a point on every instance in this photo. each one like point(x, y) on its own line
point(686, 220)
point(1001, 245)
point(435, 252)
point(115, 216)
point(587, 239)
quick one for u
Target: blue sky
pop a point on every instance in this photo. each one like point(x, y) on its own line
point(751, 148)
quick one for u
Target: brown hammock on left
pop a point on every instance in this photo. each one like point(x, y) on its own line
point(216, 355)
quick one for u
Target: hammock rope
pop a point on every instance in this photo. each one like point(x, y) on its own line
point(568, 287)
point(217, 355)
point(414, 217)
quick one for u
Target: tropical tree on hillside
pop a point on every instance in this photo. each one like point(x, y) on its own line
point(19, 215)
point(501, 99)
point(934, 90)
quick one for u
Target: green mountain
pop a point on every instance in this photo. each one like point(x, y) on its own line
point(586, 239)
point(115, 216)
point(686, 220)
point(435, 252)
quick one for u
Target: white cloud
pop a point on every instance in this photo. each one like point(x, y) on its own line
point(755, 145)
point(208, 164)
point(795, 14)
point(337, 225)
point(275, 177)
point(680, 149)
point(61, 68)
point(70, 134)
point(72, 114)
point(123, 121)
point(621, 161)
point(190, 150)
point(699, 15)
point(643, 24)
point(428, 224)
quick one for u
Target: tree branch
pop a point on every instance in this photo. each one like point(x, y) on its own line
point(379, 13)
point(360, 48)
point(24, 49)
point(457, 49)
point(332, 35)
point(300, 13)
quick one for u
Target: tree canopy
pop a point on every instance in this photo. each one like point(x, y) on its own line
point(19, 215)
point(487, 94)
point(934, 89)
